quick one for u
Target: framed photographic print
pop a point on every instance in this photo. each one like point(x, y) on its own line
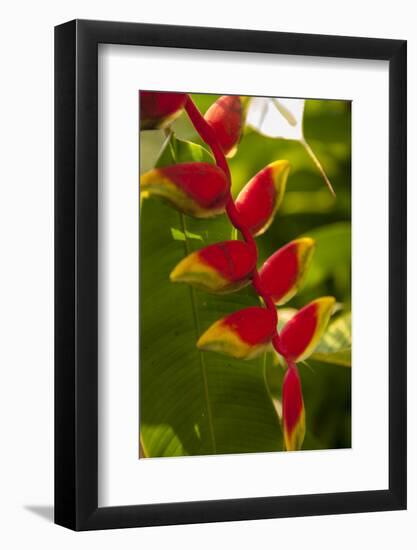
point(230, 275)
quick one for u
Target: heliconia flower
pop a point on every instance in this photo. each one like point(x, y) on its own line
point(293, 413)
point(260, 198)
point(199, 189)
point(283, 273)
point(227, 117)
point(243, 334)
point(159, 109)
point(301, 334)
point(219, 268)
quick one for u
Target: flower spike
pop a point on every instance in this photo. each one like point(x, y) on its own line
point(203, 190)
point(218, 268)
point(283, 273)
point(159, 109)
point(195, 188)
point(227, 117)
point(302, 333)
point(293, 413)
point(259, 200)
point(244, 334)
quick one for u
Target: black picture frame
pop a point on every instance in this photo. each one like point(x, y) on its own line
point(76, 272)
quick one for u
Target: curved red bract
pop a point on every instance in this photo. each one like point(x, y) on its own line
point(205, 183)
point(254, 325)
point(225, 116)
point(234, 260)
point(157, 107)
point(280, 272)
point(299, 331)
point(256, 201)
point(292, 400)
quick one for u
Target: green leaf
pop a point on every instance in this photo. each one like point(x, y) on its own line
point(179, 235)
point(175, 150)
point(300, 202)
point(336, 345)
point(332, 257)
point(283, 118)
point(284, 315)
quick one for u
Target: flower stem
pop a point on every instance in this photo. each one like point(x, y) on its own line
point(318, 165)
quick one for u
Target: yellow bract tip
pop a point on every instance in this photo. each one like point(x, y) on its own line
point(293, 441)
point(197, 273)
point(223, 339)
point(280, 170)
point(305, 242)
point(325, 303)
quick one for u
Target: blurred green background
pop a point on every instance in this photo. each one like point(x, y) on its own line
point(307, 209)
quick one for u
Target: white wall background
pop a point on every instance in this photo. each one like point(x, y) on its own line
point(26, 289)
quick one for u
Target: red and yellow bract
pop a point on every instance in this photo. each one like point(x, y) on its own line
point(199, 189)
point(283, 273)
point(301, 334)
point(293, 414)
point(243, 334)
point(259, 200)
point(219, 268)
point(226, 117)
point(159, 109)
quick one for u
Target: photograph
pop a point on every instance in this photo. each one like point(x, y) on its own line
point(208, 235)
point(245, 274)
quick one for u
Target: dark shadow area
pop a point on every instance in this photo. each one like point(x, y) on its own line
point(45, 512)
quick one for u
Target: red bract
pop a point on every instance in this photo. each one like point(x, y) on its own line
point(159, 109)
point(302, 333)
point(259, 200)
point(243, 334)
point(282, 274)
point(220, 268)
point(226, 116)
point(195, 188)
point(293, 415)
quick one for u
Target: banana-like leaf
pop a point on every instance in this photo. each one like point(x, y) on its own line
point(192, 402)
point(332, 257)
point(279, 117)
point(336, 345)
point(176, 150)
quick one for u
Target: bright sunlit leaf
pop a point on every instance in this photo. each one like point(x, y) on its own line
point(279, 117)
point(336, 345)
